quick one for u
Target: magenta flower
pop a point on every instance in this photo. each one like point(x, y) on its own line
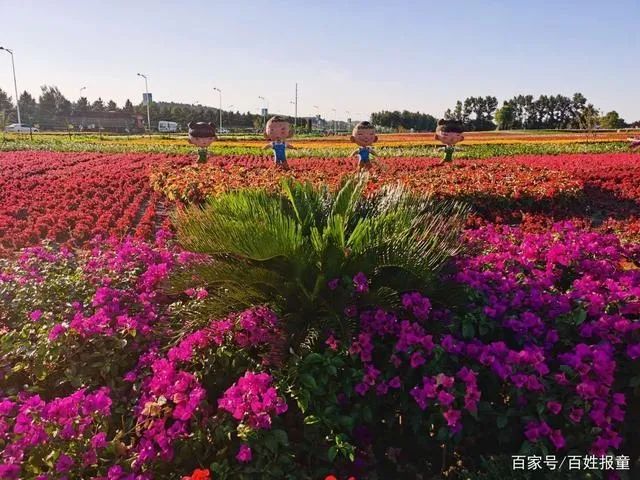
point(361, 283)
point(554, 407)
point(244, 454)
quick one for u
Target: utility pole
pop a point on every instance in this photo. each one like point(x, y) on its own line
point(295, 120)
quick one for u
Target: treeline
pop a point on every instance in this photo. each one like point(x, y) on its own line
point(404, 120)
point(527, 112)
point(53, 110)
point(520, 112)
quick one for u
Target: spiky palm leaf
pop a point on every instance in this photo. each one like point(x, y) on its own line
point(283, 248)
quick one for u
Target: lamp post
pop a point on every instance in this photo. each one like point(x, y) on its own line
point(220, 105)
point(334, 121)
point(15, 85)
point(348, 118)
point(264, 110)
point(146, 87)
point(81, 89)
point(317, 115)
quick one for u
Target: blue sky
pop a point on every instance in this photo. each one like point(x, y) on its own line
point(357, 56)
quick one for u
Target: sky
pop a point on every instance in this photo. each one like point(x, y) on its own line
point(349, 57)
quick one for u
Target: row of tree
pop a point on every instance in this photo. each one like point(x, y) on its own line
point(404, 120)
point(527, 112)
point(520, 112)
point(53, 110)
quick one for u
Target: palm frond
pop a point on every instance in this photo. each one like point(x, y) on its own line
point(281, 249)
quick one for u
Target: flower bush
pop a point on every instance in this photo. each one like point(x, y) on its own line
point(537, 355)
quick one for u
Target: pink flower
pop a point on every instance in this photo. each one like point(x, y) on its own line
point(64, 463)
point(35, 315)
point(361, 283)
point(56, 331)
point(557, 439)
point(575, 414)
point(244, 454)
point(452, 417)
point(554, 407)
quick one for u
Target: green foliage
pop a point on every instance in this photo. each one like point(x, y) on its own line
point(284, 248)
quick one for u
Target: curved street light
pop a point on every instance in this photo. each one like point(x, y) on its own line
point(220, 106)
point(15, 85)
point(146, 87)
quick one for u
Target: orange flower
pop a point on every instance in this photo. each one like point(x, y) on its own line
point(199, 474)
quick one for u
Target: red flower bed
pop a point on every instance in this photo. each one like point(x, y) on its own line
point(594, 190)
point(70, 197)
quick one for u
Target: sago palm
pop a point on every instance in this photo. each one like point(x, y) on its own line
point(283, 248)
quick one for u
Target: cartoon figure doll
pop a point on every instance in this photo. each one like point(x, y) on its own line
point(449, 132)
point(364, 135)
point(277, 131)
point(635, 143)
point(201, 135)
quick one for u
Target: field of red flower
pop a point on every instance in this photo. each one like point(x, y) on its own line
point(532, 346)
point(70, 197)
point(596, 190)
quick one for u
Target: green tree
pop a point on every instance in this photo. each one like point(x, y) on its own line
point(82, 105)
point(98, 105)
point(5, 101)
point(28, 108)
point(112, 106)
point(52, 106)
point(128, 106)
point(612, 120)
point(505, 116)
point(589, 118)
point(283, 248)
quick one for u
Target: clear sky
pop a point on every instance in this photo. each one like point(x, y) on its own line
point(359, 56)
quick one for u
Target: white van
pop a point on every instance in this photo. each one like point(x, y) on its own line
point(167, 127)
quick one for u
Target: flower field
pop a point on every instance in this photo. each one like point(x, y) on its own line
point(475, 145)
point(592, 190)
point(428, 321)
point(70, 198)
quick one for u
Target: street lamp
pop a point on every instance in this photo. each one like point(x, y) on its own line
point(15, 85)
point(334, 121)
point(146, 87)
point(264, 110)
point(348, 117)
point(220, 109)
point(83, 88)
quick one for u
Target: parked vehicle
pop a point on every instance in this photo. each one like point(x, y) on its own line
point(20, 128)
point(167, 127)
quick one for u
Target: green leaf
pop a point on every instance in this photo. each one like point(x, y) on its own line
point(311, 420)
point(332, 453)
point(468, 331)
point(502, 421)
point(308, 381)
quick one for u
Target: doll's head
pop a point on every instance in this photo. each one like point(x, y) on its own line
point(277, 129)
point(449, 132)
point(364, 134)
point(201, 134)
